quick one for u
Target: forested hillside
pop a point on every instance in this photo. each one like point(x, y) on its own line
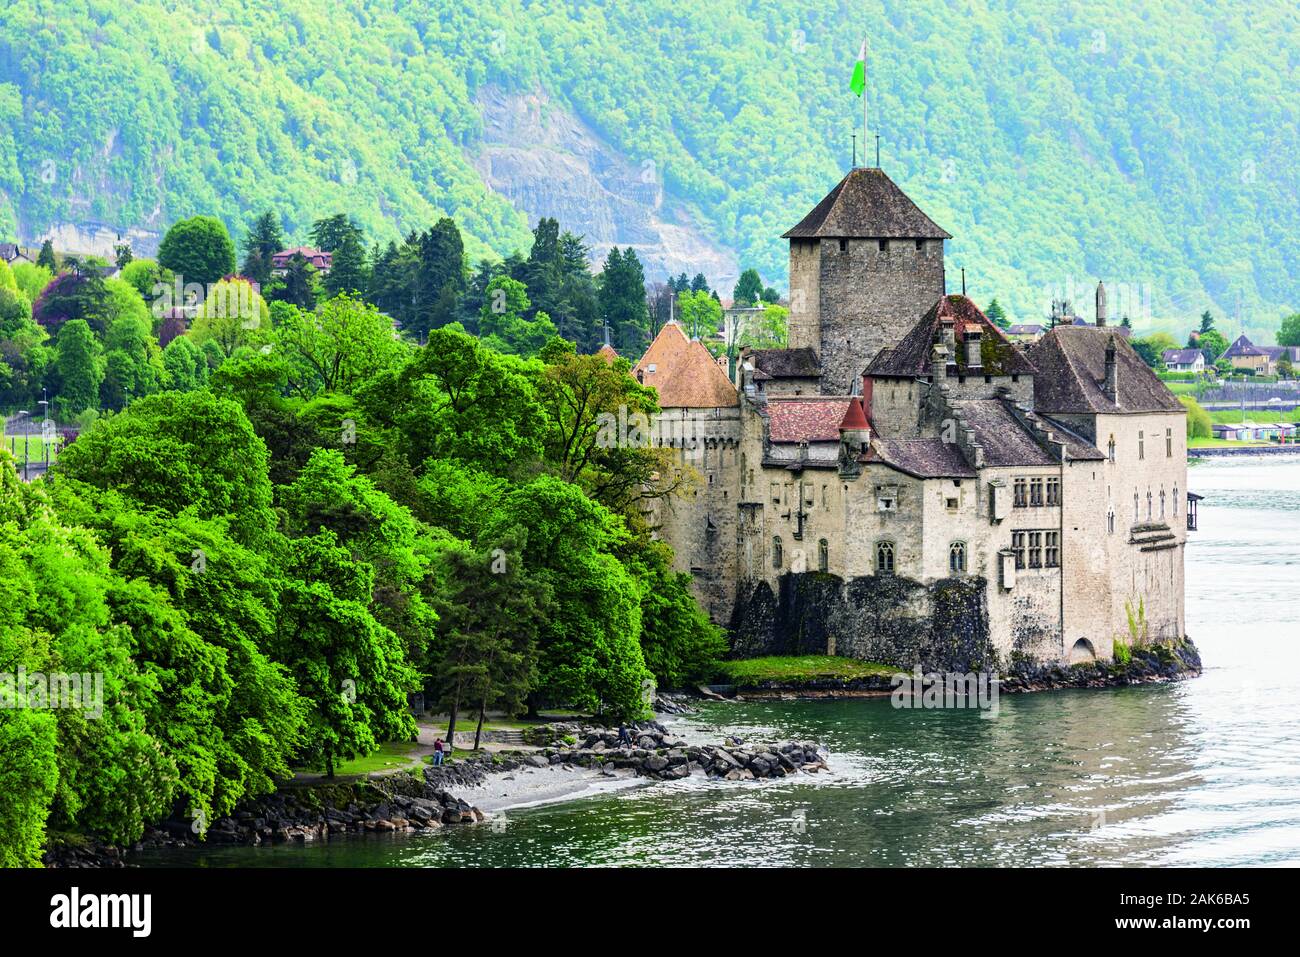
point(1152, 145)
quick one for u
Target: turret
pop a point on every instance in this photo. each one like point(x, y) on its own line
point(1101, 303)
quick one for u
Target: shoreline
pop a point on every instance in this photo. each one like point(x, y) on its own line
point(1157, 664)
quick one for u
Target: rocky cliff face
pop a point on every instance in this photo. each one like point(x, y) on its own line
point(547, 162)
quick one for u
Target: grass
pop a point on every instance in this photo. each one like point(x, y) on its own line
point(798, 668)
point(393, 754)
point(1200, 443)
point(1233, 416)
point(29, 447)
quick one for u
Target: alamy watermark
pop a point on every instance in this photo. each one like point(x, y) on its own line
point(935, 690)
point(55, 690)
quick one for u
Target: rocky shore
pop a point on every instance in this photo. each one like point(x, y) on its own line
point(422, 800)
point(1154, 663)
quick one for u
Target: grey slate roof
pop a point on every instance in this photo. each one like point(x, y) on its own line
point(912, 355)
point(922, 458)
point(1005, 440)
point(785, 363)
point(1242, 346)
point(866, 204)
point(1180, 356)
point(1071, 364)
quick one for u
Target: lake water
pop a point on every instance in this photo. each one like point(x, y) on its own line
point(1203, 772)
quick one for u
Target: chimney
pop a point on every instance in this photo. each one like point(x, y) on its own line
point(948, 335)
point(1101, 303)
point(1111, 385)
point(973, 360)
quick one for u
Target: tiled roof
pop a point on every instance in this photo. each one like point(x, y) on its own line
point(1242, 346)
point(806, 418)
point(1004, 440)
point(785, 363)
point(1071, 364)
point(1026, 329)
point(1181, 356)
point(318, 259)
point(922, 458)
point(607, 352)
point(912, 355)
point(1277, 352)
point(866, 204)
point(684, 373)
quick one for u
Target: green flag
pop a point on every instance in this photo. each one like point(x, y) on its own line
point(859, 82)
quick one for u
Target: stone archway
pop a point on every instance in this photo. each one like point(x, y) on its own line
point(1082, 652)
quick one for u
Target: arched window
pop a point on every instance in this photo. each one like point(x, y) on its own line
point(1112, 448)
point(1149, 505)
point(1175, 499)
point(1110, 521)
point(823, 555)
point(1135, 507)
point(957, 558)
point(778, 556)
point(1162, 503)
point(884, 558)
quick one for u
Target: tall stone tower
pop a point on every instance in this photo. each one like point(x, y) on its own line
point(865, 265)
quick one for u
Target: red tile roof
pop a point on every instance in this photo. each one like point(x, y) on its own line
point(683, 372)
point(807, 418)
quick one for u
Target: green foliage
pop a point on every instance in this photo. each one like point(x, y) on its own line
point(1288, 333)
point(32, 279)
point(78, 369)
point(198, 250)
point(749, 289)
point(1198, 420)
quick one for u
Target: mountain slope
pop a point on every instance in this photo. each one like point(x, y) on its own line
point(1152, 146)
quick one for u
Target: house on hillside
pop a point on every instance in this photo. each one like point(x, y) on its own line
point(12, 254)
point(1244, 354)
point(318, 260)
point(1021, 332)
point(1184, 360)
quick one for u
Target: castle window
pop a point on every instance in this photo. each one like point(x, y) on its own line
point(1112, 448)
point(823, 555)
point(1021, 493)
point(957, 557)
point(1053, 491)
point(844, 245)
point(1149, 501)
point(1169, 443)
point(1018, 547)
point(826, 496)
point(1175, 499)
point(1162, 503)
point(1015, 378)
point(884, 558)
point(952, 504)
point(1052, 549)
point(1035, 549)
point(778, 554)
point(1135, 507)
point(1142, 445)
point(1110, 521)
point(1036, 491)
point(882, 244)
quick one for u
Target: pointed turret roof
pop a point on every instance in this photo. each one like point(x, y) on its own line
point(867, 204)
point(684, 373)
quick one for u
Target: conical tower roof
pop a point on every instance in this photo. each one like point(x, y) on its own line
point(867, 204)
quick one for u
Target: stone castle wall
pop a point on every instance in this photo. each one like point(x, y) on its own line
point(850, 298)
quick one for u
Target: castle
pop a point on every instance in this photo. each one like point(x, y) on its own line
point(903, 483)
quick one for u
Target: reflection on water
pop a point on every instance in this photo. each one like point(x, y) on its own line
point(1203, 772)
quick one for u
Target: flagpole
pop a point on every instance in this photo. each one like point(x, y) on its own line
point(866, 126)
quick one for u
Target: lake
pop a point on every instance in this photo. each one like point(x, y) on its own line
point(1202, 772)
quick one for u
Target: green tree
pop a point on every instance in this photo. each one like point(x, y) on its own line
point(262, 241)
point(132, 362)
point(45, 258)
point(301, 285)
point(348, 272)
point(198, 250)
point(749, 289)
point(1207, 322)
point(1288, 333)
point(233, 315)
point(503, 323)
point(337, 347)
point(329, 234)
point(622, 299)
point(32, 279)
point(1198, 420)
point(184, 368)
point(699, 313)
point(78, 370)
point(1213, 343)
point(997, 315)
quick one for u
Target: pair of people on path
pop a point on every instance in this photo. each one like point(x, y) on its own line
point(437, 752)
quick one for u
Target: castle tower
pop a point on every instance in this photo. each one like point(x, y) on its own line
point(865, 265)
